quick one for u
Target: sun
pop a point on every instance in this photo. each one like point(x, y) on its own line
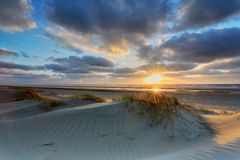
point(154, 78)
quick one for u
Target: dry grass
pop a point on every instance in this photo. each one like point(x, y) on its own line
point(88, 97)
point(47, 104)
point(155, 107)
point(25, 93)
point(50, 104)
point(176, 118)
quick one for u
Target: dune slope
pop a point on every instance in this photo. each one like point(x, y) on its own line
point(102, 131)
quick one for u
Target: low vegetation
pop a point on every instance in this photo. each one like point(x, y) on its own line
point(26, 93)
point(47, 104)
point(50, 104)
point(88, 97)
point(155, 107)
point(176, 118)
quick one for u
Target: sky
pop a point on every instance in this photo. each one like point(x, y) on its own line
point(73, 42)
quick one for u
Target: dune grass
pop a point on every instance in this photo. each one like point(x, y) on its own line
point(26, 93)
point(176, 117)
point(50, 104)
point(88, 97)
point(155, 107)
point(46, 103)
point(171, 113)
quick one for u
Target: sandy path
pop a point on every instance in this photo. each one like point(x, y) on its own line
point(105, 132)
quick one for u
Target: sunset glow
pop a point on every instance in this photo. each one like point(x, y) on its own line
point(55, 42)
point(154, 78)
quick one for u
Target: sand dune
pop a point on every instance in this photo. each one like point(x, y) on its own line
point(19, 109)
point(7, 94)
point(107, 131)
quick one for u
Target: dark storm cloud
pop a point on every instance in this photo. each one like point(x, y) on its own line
point(106, 26)
point(57, 68)
point(82, 65)
point(168, 67)
point(9, 65)
point(97, 61)
point(225, 64)
point(230, 65)
point(5, 53)
point(124, 70)
point(200, 13)
point(69, 65)
point(150, 53)
point(85, 60)
point(65, 69)
point(131, 16)
point(196, 47)
point(221, 67)
point(15, 15)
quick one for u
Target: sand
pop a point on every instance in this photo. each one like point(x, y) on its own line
point(19, 109)
point(105, 131)
point(7, 94)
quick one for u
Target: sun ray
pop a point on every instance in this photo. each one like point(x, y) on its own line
point(154, 78)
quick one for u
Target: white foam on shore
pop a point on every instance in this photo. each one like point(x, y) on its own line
point(107, 131)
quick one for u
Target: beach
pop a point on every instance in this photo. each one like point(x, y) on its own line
point(119, 80)
point(106, 130)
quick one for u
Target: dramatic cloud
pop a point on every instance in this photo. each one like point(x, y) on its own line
point(15, 15)
point(5, 53)
point(111, 26)
point(167, 67)
point(223, 64)
point(144, 70)
point(81, 65)
point(200, 13)
point(107, 15)
point(133, 39)
point(124, 70)
point(68, 66)
point(8, 65)
point(85, 60)
point(195, 47)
